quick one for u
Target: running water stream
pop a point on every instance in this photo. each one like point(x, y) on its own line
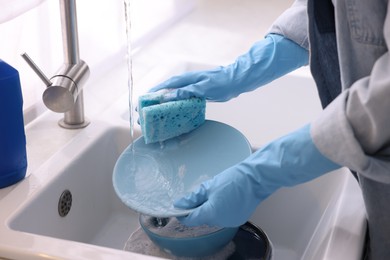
point(135, 241)
point(131, 85)
point(129, 69)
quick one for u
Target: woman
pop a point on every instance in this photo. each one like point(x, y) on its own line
point(346, 42)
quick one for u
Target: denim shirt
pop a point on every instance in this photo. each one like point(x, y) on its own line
point(354, 130)
point(349, 59)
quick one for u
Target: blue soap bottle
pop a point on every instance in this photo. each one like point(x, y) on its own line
point(13, 158)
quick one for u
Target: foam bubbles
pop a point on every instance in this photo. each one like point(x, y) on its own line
point(140, 243)
point(174, 229)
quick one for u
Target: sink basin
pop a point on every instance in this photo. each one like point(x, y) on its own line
point(95, 216)
point(322, 219)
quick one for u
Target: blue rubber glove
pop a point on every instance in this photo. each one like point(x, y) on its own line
point(266, 61)
point(230, 198)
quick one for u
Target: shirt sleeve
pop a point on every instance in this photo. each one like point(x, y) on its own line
point(354, 130)
point(293, 24)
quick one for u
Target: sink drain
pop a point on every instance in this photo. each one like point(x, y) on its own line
point(65, 203)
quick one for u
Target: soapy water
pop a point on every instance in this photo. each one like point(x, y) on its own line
point(151, 180)
point(153, 183)
point(140, 243)
point(172, 228)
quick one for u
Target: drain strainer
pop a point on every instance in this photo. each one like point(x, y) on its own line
point(65, 203)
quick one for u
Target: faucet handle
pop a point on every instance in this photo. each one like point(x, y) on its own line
point(36, 69)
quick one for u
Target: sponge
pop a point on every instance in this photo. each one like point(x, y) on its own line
point(164, 120)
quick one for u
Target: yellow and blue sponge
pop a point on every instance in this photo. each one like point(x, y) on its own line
point(161, 120)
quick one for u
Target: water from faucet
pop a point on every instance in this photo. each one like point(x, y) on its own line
point(130, 70)
point(130, 80)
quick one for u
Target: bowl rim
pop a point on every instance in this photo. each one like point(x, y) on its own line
point(209, 125)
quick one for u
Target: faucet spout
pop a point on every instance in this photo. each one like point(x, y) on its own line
point(64, 93)
point(69, 31)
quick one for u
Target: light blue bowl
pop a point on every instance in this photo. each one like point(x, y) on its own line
point(203, 245)
point(148, 178)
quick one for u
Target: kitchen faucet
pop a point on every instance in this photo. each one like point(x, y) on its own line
point(64, 92)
